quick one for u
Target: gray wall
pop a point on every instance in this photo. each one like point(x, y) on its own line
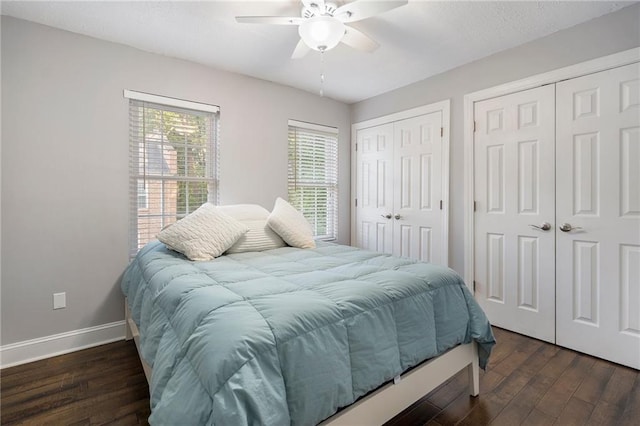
point(602, 36)
point(65, 164)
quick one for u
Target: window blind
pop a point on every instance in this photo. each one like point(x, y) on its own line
point(173, 165)
point(313, 175)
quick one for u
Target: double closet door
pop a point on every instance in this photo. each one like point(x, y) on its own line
point(399, 188)
point(557, 221)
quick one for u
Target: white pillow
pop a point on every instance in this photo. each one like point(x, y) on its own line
point(291, 225)
point(245, 211)
point(204, 234)
point(260, 236)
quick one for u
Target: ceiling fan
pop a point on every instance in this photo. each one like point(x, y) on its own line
point(322, 24)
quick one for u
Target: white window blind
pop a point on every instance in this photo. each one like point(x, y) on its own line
point(173, 164)
point(313, 175)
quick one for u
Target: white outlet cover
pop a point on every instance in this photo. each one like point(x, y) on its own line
point(59, 300)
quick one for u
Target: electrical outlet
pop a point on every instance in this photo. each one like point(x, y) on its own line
point(59, 300)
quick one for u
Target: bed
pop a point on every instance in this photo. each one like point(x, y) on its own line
point(294, 336)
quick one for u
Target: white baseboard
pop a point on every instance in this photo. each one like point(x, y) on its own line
point(59, 344)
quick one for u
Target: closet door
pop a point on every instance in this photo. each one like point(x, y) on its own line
point(374, 188)
point(417, 230)
point(598, 214)
point(514, 218)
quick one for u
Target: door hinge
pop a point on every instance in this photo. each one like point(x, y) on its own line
point(474, 126)
point(474, 206)
point(441, 131)
point(440, 204)
point(474, 286)
point(356, 147)
point(356, 202)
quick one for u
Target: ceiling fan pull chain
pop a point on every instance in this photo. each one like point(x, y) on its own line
point(322, 73)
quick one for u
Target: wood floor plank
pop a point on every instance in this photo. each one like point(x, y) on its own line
point(18, 390)
point(493, 402)
point(419, 413)
point(521, 405)
point(457, 410)
point(554, 401)
point(539, 359)
point(484, 409)
point(85, 408)
point(45, 402)
point(487, 408)
point(619, 386)
point(575, 413)
point(605, 414)
point(506, 390)
point(558, 363)
point(76, 361)
point(595, 383)
point(59, 392)
point(129, 420)
point(522, 352)
point(631, 413)
point(538, 418)
point(489, 381)
point(445, 394)
point(125, 410)
point(506, 344)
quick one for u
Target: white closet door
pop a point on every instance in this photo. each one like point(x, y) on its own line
point(598, 195)
point(417, 219)
point(514, 192)
point(374, 187)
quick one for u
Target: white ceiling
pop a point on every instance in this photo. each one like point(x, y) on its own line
point(418, 40)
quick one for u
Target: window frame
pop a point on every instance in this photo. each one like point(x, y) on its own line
point(329, 137)
point(139, 176)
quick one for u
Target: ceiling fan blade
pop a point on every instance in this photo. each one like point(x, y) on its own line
point(358, 40)
point(363, 9)
point(274, 20)
point(301, 50)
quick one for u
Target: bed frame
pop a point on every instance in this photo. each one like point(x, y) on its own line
point(389, 400)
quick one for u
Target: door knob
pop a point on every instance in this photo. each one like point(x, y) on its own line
point(566, 227)
point(386, 216)
point(544, 227)
point(397, 217)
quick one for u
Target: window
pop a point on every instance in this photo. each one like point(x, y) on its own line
point(313, 175)
point(143, 195)
point(173, 157)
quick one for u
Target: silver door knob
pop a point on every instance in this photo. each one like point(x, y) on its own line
point(544, 227)
point(386, 216)
point(566, 227)
point(397, 217)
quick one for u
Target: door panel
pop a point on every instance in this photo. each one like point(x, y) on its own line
point(374, 188)
point(418, 191)
point(598, 192)
point(630, 173)
point(495, 267)
point(528, 276)
point(514, 189)
point(528, 177)
point(630, 289)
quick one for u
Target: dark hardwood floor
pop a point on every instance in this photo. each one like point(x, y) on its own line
point(527, 382)
point(101, 385)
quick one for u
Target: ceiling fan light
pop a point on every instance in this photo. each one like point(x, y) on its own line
point(321, 32)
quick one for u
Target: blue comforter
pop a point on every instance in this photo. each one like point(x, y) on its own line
point(288, 336)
